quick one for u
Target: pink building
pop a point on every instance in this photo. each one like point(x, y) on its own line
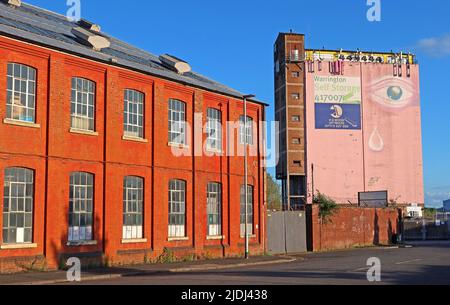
point(361, 129)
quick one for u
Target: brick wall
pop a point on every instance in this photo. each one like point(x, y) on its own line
point(53, 152)
point(353, 227)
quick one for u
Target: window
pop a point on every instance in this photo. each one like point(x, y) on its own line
point(83, 104)
point(133, 207)
point(214, 209)
point(295, 55)
point(295, 74)
point(295, 118)
point(81, 204)
point(177, 209)
point(246, 132)
point(133, 114)
point(295, 96)
point(297, 163)
point(249, 203)
point(18, 206)
point(296, 141)
point(177, 122)
point(21, 93)
point(214, 129)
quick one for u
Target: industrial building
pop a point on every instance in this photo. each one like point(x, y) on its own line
point(89, 126)
point(447, 205)
point(350, 125)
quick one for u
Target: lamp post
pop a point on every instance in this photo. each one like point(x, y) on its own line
point(247, 248)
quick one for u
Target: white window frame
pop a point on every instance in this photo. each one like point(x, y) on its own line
point(177, 122)
point(18, 204)
point(214, 209)
point(177, 209)
point(82, 105)
point(250, 214)
point(81, 207)
point(21, 93)
point(133, 124)
point(133, 208)
point(245, 131)
point(214, 129)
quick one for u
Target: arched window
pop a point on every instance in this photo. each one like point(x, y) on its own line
point(214, 129)
point(133, 207)
point(133, 114)
point(246, 131)
point(18, 201)
point(177, 208)
point(81, 207)
point(177, 122)
point(83, 104)
point(21, 93)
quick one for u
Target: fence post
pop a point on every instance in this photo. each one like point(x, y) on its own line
point(424, 229)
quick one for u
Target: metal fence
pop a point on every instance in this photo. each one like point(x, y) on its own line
point(426, 229)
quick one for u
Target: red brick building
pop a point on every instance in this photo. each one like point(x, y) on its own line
point(87, 131)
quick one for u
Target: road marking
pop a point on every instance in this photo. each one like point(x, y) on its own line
point(410, 261)
point(361, 269)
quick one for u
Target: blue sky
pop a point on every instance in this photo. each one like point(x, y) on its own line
point(232, 42)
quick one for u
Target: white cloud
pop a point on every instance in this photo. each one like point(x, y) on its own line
point(434, 197)
point(435, 46)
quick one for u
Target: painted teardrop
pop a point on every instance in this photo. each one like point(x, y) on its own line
point(376, 142)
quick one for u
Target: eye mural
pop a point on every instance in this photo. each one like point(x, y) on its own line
point(393, 93)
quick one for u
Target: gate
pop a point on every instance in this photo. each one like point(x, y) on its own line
point(286, 232)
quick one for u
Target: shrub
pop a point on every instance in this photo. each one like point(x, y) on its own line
point(327, 207)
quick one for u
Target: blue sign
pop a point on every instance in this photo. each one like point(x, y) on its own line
point(338, 116)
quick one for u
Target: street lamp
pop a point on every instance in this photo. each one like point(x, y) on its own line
point(247, 248)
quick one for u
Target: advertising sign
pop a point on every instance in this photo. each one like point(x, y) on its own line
point(338, 102)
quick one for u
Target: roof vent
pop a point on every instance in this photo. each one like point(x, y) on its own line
point(90, 38)
point(174, 63)
point(16, 3)
point(85, 24)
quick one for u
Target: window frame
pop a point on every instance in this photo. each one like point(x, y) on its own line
point(214, 140)
point(177, 128)
point(28, 184)
point(12, 80)
point(137, 117)
point(214, 229)
point(250, 216)
point(77, 115)
point(177, 214)
point(133, 207)
point(248, 130)
point(88, 200)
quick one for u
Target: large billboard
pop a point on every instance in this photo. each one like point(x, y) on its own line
point(337, 102)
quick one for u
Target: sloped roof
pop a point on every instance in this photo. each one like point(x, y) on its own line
point(49, 29)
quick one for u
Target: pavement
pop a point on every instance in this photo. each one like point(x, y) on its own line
point(106, 274)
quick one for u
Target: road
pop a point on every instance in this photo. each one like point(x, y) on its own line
point(426, 263)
